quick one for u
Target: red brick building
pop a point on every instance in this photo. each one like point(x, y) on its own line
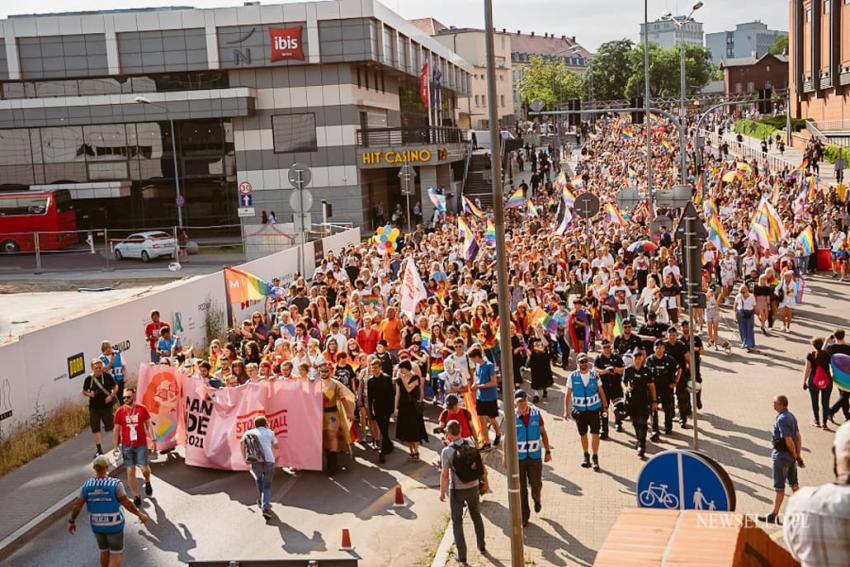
point(751, 74)
point(819, 59)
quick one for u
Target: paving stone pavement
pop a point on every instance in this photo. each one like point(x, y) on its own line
point(580, 506)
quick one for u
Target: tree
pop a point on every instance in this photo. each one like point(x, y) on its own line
point(609, 70)
point(779, 46)
point(549, 81)
point(664, 72)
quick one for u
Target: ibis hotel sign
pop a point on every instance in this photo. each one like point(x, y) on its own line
point(395, 158)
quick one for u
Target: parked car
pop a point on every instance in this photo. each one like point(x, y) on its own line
point(145, 246)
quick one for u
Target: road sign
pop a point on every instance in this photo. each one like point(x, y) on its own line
point(246, 200)
point(628, 198)
point(684, 480)
point(181, 200)
point(699, 229)
point(296, 200)
point(536, 105)
point(586, 205)
point(245, 188)
point(306, 174)
point(246, 211)
point(674, 197)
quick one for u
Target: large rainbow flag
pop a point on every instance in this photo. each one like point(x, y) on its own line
point(613, 215)
point(517, 199)
point(490, 234)
point(470, 208)
point(806, 240)
point(717, 235)
point(243, 287)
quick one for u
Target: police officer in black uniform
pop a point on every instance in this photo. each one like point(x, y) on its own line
point(609, 367)
point(628, 341)
point(698, 351)
point(665, 374)
point(637, 381)
point(651, 331)
point(678, 349)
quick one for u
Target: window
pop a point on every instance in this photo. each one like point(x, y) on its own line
point(826, 6)
point(294, 133)
point(739, 88)
point(477, 101)
point(502, 100)
point(11, 206)
point(751, 87)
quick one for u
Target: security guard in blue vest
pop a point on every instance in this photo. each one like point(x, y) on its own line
point(532, 444)
point(103, 496)
point(584, 401)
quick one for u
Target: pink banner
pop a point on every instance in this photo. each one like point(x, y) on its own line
point(158, 390)
point(214, 421)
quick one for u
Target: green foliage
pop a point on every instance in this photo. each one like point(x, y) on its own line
point(664, 70)
point(609, 70)
point(831, 153)
point(214, 323)
point(778, 122)
point(549, 81)
point(779, 46)
point(758, 130)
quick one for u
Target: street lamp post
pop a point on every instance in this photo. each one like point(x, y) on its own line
point(506, 358)
point(650, 192)
point(179, 201)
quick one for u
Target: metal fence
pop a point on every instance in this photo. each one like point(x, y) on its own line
point(748, 150)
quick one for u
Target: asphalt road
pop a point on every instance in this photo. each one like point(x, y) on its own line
point(202, 514)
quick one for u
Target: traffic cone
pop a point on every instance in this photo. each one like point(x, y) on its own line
point(346, 541)
point(399, 498)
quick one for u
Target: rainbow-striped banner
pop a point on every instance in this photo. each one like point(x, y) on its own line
point(613, 215)
point(806, 240)
point(243, 287)
point(717, 235)
point(516, 200)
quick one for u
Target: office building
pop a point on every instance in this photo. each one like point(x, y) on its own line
point(87, 101)
point(667, 34)
point(751, 39)
point(819, 60)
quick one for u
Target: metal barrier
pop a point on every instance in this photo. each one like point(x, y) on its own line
point(775, 163)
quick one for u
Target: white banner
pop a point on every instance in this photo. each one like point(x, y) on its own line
point(412, 290)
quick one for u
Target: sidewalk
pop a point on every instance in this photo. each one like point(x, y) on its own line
point(42, 489)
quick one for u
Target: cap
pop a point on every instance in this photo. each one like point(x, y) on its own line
point(581, 357)
point(659, 342)
point(520, 394)
point(841, 443)
point(672, 329)
point(100, 462)
point(382, 342)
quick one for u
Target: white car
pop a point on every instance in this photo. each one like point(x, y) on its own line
point(145, 245)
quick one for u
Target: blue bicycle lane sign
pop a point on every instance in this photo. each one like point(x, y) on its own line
point(684, 480)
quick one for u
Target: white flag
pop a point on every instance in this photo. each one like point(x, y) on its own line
point(412, 290)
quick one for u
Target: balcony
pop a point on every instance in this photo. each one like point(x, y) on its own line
point(395, 137)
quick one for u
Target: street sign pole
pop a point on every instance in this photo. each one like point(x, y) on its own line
point(506, 358)
point(693, 292)
point(300, 186)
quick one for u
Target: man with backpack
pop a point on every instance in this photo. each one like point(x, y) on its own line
point(462, 468)
point(258, 447)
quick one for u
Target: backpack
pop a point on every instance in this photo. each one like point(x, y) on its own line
point(252, 449)
point(467, 463)
point(821, 378)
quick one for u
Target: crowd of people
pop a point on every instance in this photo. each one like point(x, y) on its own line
point(611, 285)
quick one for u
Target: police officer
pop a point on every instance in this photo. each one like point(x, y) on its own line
point(609, 367)
point(628, 341)
point(530, 435)
point(651, 330)
point(665, 375)
point(678, 349)
point(103, 496)
point(584, 401)
point(698, 352)
point(637, 381)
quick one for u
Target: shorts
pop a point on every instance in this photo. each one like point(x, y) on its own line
point(98, 416)
point(135, 455)
point(784, 469)
point(487, 409)
point(587, 420)
point(111, 542)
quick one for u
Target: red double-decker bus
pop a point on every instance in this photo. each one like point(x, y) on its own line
point(49, 213)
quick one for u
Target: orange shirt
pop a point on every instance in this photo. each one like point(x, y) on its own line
point(391, 332)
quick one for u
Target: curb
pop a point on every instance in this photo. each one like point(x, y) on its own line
point(17, 539)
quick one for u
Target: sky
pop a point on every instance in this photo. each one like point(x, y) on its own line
point(590, 21)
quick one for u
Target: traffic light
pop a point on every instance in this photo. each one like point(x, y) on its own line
point(574, 104)
point(637, 115)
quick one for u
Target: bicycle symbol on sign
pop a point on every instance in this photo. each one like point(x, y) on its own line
point(658, 493)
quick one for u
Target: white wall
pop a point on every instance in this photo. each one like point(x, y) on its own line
point(34, 369)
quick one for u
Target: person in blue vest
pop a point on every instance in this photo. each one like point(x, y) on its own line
point(114, 364)
point(532, 450)
point(103, 496)
point(584, 401)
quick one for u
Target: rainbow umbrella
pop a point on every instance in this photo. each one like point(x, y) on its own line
point(841, 370)
point(645, 245)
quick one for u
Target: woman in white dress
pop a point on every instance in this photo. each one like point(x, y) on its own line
point(786, 292)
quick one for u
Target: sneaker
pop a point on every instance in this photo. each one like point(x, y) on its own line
point(770, 519)
point(595, 463)
point(538, 506)
point(267, 514)
point(655, 438)
point(604, 436)
point(585, 464)
point(497, 440)
point(641, 452)
point(619, 428)
point(148, 489)
point(137, 501)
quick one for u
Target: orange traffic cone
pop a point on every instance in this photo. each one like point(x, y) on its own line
point(346, 541)
point(399, 498)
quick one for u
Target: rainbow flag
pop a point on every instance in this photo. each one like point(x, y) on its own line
point(666, 146)
point(613, 215)
point(560, 181)
point(469, 404)
point(618, 325)
point(425, 345)
point(717, 235)
point(243, 287)
point(517, 199)
point(627, 134)
point(469, 246)
point(349, 323)
point(577, 182)
point(371, 299)
point(798, 171)
point(490, 234)
point(806, 240)
point(709, 209)
point(759, 234)
point(568, 197)
point(470, 208)
point(531, 209)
